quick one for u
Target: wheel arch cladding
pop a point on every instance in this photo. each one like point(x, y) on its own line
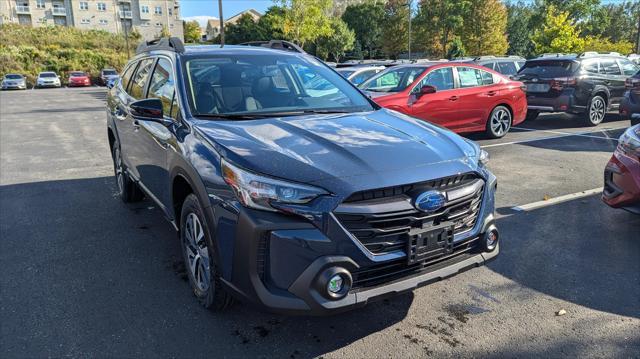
point(180, 189)
point(112, 138)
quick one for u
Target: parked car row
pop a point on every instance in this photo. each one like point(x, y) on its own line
point(52, 79)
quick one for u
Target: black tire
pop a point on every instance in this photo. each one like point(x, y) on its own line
point(596, 111)
point(532, 115)
point(200, 257)
point(499, 122)
point(128, 191)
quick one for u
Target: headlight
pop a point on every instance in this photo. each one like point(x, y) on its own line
point(629, 142)
point(257, 191)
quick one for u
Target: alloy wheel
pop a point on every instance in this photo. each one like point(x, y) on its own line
point(197, 252)
point(597, 110)
point(500, 122)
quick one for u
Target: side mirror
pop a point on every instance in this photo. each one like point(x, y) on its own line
point(426, 89)
point(149, 109)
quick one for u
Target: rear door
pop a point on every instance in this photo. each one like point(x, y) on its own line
point(476, 94)
point(438, 107)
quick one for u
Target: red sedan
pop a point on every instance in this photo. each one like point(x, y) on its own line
point(79, 78)
point(459, 96)
point(622, 174)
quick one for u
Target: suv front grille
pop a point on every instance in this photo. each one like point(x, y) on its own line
point(390, 271)
point(383, 232)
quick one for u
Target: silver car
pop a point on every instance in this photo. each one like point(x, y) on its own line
point(359, 74)
point(14, 81)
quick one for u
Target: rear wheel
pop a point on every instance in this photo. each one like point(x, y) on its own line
point(596, 110)
point(532, 115)
point(499, 122)
point(199, 257)
point(128, 191)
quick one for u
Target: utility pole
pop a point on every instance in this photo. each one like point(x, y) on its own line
point(221, 23)
point(409, 4)
point(638, 38)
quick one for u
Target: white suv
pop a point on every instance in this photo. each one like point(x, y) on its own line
point(48, 79)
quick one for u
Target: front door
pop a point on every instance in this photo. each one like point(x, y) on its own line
point(438, 107)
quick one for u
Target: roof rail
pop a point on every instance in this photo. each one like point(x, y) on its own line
point(595, 53)
point(164, 43)
point(276, 44)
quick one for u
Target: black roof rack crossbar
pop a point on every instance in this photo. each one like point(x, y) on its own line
point(276, 44)
point(164, 43)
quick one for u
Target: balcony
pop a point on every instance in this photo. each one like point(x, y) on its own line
point(125, 1)
point(125, 14)
point(59, 11)
point(22, 9)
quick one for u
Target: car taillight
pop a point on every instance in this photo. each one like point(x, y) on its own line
point(561, 82)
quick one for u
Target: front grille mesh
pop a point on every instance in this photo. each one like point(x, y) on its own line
point(388, 231)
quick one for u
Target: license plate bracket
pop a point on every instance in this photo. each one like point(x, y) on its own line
point(427, 243)
point(537, 88)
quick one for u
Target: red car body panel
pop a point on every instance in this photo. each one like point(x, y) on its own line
point(462, 110)
point(622, 181)
point(79, 80)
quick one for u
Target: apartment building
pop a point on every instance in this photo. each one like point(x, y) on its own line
point(118, 16)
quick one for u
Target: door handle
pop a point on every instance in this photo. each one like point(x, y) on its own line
point(491, 93)
point(453, 98)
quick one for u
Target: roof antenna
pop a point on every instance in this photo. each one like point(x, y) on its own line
point(221, 24)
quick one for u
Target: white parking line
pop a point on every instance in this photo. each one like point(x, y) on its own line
point(556, 200)
point(557, 134)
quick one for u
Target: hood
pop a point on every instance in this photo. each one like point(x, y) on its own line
point(351, 151)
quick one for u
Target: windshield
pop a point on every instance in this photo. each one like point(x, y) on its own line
point(268, 84)
point(345, 73)
point(393, 80)
point(48, 74)
point(13, 77)
point(548, 69)
point(109, 72)
point(77, 74)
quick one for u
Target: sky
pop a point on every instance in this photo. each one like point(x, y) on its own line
point(191, 8)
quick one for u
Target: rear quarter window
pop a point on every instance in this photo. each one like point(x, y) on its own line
point(549, 68)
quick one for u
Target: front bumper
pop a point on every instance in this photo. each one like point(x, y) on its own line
point(54, 84)
point(14, 86)
point(276, 262)
point(622, 182)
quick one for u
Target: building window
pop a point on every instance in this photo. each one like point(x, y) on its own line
point(144, 9)
point(101, 6)
point(84, 5)
point(40, 4)
point(171, 25)
point(158, 10)
point(85, 21)
point(169, 11)
point(144, 24)
point(158, 24)
point(103, 22)
point(42, 20)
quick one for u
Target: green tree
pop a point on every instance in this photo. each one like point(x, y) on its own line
point(245, 29)
point(395, 33)
point(485, 26)
point(456, 49)
point(192, 31)
point(269, 26)
point(558, 34)
point(617, 22)
point(306, 20)
point(338, 43)
point(366, 21)
point(165, 32)
point(437, 22)
point(518, 29)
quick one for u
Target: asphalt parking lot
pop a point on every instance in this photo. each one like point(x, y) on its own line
point(85, 275)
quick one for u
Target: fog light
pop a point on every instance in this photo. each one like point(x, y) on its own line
point(491, 238)
point(335, 284)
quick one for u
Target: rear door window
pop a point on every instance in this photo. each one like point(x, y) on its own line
point(609, 67)
point(549, 68)
point(139, 80)
point(628, 67)
point(590, 66)
point(507, 68)
point(469, 77)
point(487, 77)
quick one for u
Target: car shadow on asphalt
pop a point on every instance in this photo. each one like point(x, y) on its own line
point(105, 278)
point(593, 262)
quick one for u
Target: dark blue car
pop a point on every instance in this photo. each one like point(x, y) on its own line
point(288, 187)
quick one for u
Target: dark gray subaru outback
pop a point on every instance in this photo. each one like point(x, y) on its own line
point(288, 187)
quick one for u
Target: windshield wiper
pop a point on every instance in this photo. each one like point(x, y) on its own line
point(223, 116)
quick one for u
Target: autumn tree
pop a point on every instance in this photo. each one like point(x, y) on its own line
point(485, 25)
point(437, 24)
point(304, 21)
point(395, 33)
point(366, 21)
point(192, 31)
point(558, 34)
point(338, 43)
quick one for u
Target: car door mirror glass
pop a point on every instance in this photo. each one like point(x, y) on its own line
point(148, 109)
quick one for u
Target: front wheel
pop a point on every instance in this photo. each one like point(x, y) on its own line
point(499, 122)
point(199, 257)
point(596, 111)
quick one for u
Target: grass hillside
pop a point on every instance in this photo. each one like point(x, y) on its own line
point(29, 50)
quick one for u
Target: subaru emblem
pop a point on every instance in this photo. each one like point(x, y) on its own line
point(430, 201)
